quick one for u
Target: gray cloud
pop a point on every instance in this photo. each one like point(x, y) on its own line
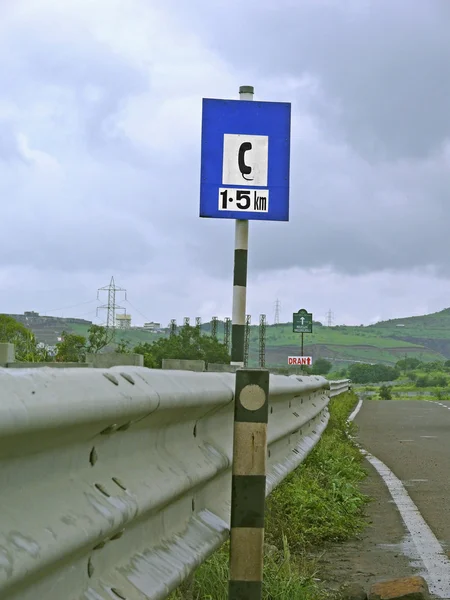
point(100, 145)
point(382, 65)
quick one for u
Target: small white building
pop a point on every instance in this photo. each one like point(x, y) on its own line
point(123, 321)
point(152, 326)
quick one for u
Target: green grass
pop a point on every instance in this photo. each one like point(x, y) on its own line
point(318, 504)
point(320, 501)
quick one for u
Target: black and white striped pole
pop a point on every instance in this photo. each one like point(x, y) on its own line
point(240, 274)
point(248, 489)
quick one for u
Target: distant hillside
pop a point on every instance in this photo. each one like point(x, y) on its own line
point(344, 345)
point(48, 329)
point(426, 337)
point(437, 321)
point(431, 331)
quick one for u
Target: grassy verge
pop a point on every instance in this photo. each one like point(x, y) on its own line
point(317, 504)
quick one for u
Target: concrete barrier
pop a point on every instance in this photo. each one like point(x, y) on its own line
point(221, 368)
point(7, 354)
point(106, 360)
point(179, 364)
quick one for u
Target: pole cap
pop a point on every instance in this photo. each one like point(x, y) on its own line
point(246, 89)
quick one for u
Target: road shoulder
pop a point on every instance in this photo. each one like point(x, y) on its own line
point(383, 551)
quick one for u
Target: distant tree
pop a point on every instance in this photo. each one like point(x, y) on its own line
point(72, 348)
point(439, 381)
point(385, 392)
point(408, 364)
point(321, 366)
point(436, 365)
point(24, 340)
point(189, 343)
point(98, 338)
point(365, 373)
point(123, 346)
point(422, 381)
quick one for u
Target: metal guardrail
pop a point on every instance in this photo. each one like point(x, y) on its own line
point(339, 387)
point(115, 483)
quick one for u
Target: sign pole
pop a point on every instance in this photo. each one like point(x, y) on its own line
point(302, 353)
point(248, 484)
point(240, 273)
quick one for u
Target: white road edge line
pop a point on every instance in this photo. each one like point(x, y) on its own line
point(356, 411)
point(428, 547)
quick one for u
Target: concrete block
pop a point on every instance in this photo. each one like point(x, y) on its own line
point(106, 360)
point(7, 353)
point(406, 588)
point(179, 364)
point(220, 368)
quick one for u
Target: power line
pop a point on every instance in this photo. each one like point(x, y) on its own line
point(262, 341)
point(137, 310)
point(69, 307)
point(330, 318)
point(277, 312)
point(214, 322)
point(91, 312)
point(227, 333)
point(173, 327)
point(248, 321)
point(111, 307)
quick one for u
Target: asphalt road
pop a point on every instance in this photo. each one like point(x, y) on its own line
point(413, 439)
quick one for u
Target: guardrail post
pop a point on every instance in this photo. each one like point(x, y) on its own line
point(248, 493)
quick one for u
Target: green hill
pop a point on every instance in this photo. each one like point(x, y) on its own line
point(425, 337)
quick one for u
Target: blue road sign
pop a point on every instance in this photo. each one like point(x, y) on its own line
point(245, 160)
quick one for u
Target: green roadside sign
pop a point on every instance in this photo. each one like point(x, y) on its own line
point(302, 321)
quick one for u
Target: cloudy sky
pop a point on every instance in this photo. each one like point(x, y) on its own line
point(100, 121)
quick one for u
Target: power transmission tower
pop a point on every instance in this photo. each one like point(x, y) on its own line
point(330, 317)
point(186, 322)
point(227, 333)
point(248, 321)
point(277, 312)
point(214, 327)
point(111, 307)
point(262, 341)
point(173, 327)
point(198, 324)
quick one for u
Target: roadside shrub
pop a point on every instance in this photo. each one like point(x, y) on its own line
point(385, 392)
point(440, 395)
point(440, 381)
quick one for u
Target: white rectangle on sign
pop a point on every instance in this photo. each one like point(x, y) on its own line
point(245, 159)
point(300, 361)
point(244, 200)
